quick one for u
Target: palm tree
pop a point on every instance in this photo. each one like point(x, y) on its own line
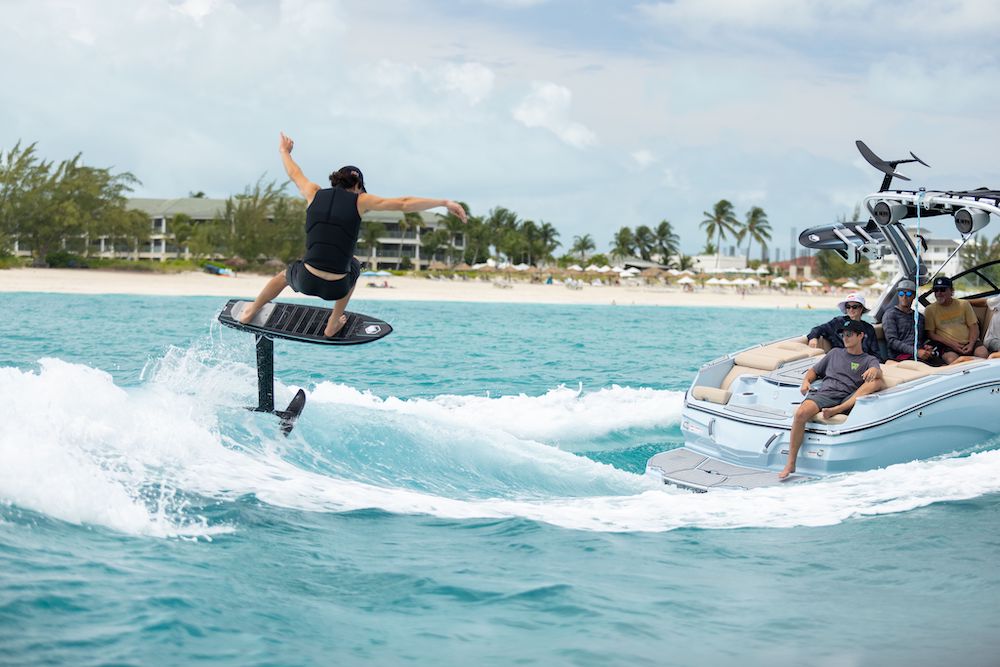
point(548, 234)
point(756, 228)
point(433, 242)
point(623, 243)
point(183, 230)
point(529, 230)
point(371, 232)
point(645, 240)
point(410, 221)
point(717, 223)
point(583, 245)
point(667, 242)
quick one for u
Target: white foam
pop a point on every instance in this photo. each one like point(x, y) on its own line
point(558, 415)
point(86, 451)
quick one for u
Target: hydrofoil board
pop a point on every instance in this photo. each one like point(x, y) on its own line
point(305, 324)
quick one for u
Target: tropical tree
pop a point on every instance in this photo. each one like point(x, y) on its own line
point(756, 228)
point(645, 241)
point(248, 220)
point(583, 245)
point(623, 243)
point(684, 262)
point(414, 221)
point(667, 241)
point(371, 232)
point(45, 204)
point(718, 223)
point(433, 242)
point(182, 228)
point(548, 236)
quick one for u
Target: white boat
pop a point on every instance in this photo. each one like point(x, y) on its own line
point(737, 414)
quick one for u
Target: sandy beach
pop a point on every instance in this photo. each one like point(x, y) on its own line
point(75, 281)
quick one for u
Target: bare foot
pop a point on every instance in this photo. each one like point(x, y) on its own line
point(334, 325)
point(789, 469)
point(247, 314)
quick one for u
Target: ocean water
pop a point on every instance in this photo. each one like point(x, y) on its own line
point(469, 490)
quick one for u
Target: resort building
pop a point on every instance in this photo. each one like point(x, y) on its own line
point(937, 257)
point(718, 263)
point(393, 247)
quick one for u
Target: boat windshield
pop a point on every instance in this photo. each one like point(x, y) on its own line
point(976, 283)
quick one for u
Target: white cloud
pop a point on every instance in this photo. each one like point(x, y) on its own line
point(643, 157)
point(472, 81)
point(547, 106)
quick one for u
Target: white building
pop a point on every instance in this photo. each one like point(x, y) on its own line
point(934, 258)
point(718, 263)
point(392, 247)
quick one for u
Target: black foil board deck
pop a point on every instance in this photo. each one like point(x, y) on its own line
point(305, 324)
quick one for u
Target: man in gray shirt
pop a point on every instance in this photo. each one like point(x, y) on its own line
point(848, 373)
point(897, 324)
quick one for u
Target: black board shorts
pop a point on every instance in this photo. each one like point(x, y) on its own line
point(302, 281)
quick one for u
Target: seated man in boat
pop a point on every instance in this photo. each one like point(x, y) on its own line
point(853, 308)
point(848, 373)
point(897, 323)
point(952, 325)
point(992, 337)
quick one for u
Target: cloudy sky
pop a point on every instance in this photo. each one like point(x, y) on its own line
point(586, 114)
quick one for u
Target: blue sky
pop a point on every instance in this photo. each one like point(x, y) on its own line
point(588, 115)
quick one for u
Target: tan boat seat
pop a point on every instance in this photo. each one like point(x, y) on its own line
point(712, 394)
point(768, 358)
point(896, 374)
point(836, 419)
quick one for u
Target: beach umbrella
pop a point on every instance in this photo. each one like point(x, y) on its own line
point(575, 267)
point(686, 280)
point(521, 267)
point(382, 274)
point(463, 267)
point(714, 281)
point(437, 266)
point(812, 283)
point(878, 287)
point(369, 274)
point(591, 267)
point(763, 270)
point(779, 281)
point(850, 284)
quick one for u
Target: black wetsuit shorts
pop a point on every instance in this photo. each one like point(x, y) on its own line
point(304, 282)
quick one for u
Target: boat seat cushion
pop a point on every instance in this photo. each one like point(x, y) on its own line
point(796, 346)
point(835, 419)
point(768, 359)
point(712, 394)
point(737, 371)
point(896, 374)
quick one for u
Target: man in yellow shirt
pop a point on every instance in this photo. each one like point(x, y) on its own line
point(952, 325)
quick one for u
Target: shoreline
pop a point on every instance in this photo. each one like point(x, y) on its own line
point(194, 283)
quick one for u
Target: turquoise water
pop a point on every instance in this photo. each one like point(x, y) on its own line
point(466, 491)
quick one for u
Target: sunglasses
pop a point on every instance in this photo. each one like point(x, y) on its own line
point(853, 306)
point(905, 292)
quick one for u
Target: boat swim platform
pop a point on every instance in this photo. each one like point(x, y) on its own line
point(690, 470)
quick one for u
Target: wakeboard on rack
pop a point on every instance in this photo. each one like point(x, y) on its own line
point(302, 324)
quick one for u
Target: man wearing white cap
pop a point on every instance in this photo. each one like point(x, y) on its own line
point(853, 308)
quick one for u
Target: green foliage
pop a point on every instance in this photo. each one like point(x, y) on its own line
point(832, 267)
point(43, 203)
point(63, 259)
point(582, 245)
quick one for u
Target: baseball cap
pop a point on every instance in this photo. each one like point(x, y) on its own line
point(853, 325)
point(350, 170)
point(943, 281)
point(907, 284)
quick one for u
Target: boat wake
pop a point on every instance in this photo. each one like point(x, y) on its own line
point(147, 460)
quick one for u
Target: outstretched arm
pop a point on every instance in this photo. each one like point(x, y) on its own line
point(367, 202)
point(305, 186)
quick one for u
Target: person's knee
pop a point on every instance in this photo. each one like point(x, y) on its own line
point(806, 411)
